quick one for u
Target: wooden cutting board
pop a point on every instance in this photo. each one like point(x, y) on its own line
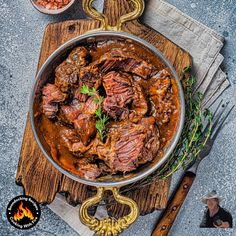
point(37, 176)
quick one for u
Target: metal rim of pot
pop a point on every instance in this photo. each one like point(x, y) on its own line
point(174, 140)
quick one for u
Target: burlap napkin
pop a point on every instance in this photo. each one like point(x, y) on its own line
point(203, 44)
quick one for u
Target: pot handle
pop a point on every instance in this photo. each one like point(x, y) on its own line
point(92, 12)
point(108, 226)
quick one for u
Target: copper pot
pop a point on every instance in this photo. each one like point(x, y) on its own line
point(107, 226)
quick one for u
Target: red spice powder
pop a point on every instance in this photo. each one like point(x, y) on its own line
point(53, 4)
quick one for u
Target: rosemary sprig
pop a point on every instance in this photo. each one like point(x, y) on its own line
point(102, 119)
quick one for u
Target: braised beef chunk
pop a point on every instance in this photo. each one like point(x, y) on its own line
point(151, 142)
point(72, 141)
point(160, 93)
point(79, 57)
point(119, 124)
point(126, 142)
point(67, 73)
point(85, 165)
point(105, 169)
point(123, 146)
point(81, 115)
point(92, 79)
point(85, 127)
point(50, 109)
point(78, 95)
point(89, 171)
point(69, 113)
point(161, 83)
point(90, 106)
point(51, 96)
point(119, 93)
point(119, 60)
point(139, 105)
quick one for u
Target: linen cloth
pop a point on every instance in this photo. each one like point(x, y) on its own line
point(202, 43)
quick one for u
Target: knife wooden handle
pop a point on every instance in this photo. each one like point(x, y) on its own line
point(174, 205)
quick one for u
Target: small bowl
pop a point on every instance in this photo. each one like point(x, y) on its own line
point(51, 12)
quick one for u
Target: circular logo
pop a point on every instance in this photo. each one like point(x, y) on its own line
point(23, 212)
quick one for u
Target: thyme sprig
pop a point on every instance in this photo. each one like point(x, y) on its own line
point(89, 91)
point(102, 118)
point(101, 123)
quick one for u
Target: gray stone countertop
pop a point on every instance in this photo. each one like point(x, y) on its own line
point(21, 30)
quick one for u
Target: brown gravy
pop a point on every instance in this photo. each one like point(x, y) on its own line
point(50, 129)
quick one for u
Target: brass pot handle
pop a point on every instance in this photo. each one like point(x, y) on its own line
point(108, 226)
point(92, 12)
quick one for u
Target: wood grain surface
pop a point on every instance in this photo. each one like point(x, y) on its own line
point(37, 176)
point(174, 205)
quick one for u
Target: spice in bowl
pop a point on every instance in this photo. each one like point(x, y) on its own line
point(53, 4)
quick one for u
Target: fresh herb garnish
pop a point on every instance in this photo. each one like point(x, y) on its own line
point(99, 100)
point(102, 119)
point(101, 123)
point(89, 91)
